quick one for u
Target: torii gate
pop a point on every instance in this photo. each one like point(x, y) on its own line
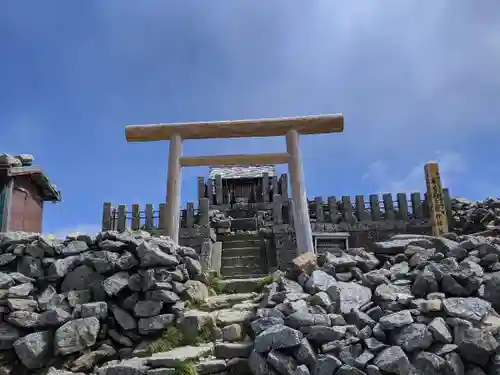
point(289, 127)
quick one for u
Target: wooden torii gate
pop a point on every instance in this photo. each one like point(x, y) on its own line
point(289, 127)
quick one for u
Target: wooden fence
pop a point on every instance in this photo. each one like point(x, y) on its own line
point(119, 218)
point(360, 209)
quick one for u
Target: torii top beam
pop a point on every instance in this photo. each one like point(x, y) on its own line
point(237, 129)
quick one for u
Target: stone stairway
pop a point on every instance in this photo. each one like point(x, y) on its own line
point(225, 353)
point(243, 256)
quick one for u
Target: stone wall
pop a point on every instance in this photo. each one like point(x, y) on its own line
point(60, 298)
point(362, 234)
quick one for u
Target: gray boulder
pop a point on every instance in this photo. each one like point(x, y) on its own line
point(76, 335)
point(35, 349)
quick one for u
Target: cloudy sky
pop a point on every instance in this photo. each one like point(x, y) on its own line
point(415, 80)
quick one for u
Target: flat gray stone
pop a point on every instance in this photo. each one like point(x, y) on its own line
point(34, 349)
point(396, 320)
point(179, 355)
point(469, 308)
point(277, 337)
point(76, 335)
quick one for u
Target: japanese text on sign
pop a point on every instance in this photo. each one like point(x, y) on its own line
point(435, 198)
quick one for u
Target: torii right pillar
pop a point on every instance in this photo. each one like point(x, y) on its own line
point(300, 207)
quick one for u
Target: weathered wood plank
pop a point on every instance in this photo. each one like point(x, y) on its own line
point(402, 206)
point(135, 217)
point(318, 209)
point(106, 216)
point(219, 197)
point(189, 215)
point(390, 214)
point(149, 222)
point(375, 207)
point(277, 209)
point(416, 206)
point(161, 215)
point(122, 217)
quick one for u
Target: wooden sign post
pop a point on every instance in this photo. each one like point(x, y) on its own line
point(435, 199)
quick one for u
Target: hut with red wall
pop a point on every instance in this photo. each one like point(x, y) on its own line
point(24, 188)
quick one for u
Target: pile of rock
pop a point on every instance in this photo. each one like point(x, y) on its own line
point(82, 300)
point(411, 305)
point(417, 305)
point(23, 160)
point(471, 217)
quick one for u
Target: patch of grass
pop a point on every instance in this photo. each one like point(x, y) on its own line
point(185, 368)
point(205, 334)
point(216, 284)
point(192, 305)
point(263, 282)
point(171, 338)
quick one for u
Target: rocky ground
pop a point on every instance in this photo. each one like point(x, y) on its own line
point(129, 304)
point(471, 217)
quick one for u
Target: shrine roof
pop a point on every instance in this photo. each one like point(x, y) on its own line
point(242, 171)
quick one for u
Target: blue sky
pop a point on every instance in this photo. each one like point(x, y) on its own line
point(415, 81)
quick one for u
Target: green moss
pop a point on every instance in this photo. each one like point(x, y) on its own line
point(185, 368)
point(263, 282)
point(206, 332)
point(192, 305)
point(216, 284)
point(171, 338)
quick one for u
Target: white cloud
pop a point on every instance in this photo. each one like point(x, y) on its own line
point(451, 166)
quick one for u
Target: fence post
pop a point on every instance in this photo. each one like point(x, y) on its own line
point(203, 208)
point(149, 224)
point(402, 206)
point(360, 208)
point(106, 216)
point(425, 206)
point(189, 215)
point(274, 185)
point(375, 207)
point(201, 188)
point(161, 215)
point(284, 187)
point(416, 206)
point(347, 207)
point(122, 217)
point(447, 203)
point(277, 209)
point(135, 224)
point(388, 206)
point(210, 190)
point(265, 187)
point(290, 212)
point(318, 209)
point(332, 209)
point(219, 197)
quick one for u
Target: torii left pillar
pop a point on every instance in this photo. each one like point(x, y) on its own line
point(173, 199)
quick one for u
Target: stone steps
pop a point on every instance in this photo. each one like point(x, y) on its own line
point(243, 260)
point(242, 271)
point(241, 251)
point(242, 256)
point(240, 237)
point(228, 353)
point(235, 244)
point(243, 284)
